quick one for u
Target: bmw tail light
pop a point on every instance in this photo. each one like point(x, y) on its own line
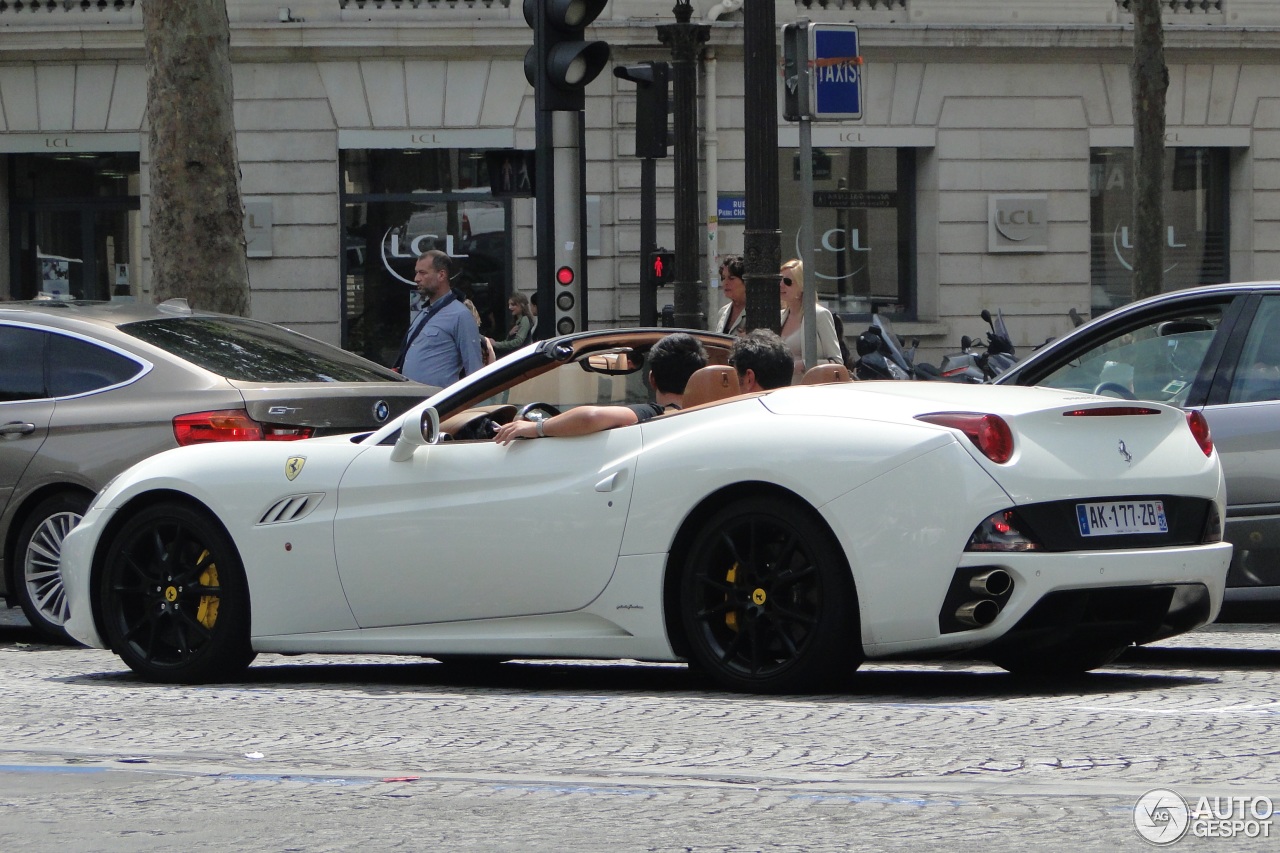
point(230, 425)
point(1200, 429)
point(1001, 532)
point(989, 433)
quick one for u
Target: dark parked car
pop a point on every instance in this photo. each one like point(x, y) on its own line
point(1215, 349)
point(88, 389)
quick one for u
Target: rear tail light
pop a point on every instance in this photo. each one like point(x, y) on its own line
point(230, 425)
point(1001, 532)
point(989, 433)
point(1200, 429)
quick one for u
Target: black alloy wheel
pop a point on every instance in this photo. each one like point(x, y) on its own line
point(174, 600)
point(767, 601)
point(39, 548)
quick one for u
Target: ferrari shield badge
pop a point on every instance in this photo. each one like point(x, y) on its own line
point(293, 466)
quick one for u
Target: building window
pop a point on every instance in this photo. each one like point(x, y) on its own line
point(74, 226)
point(864, 227)
point(397, 204)
point(1195, 213)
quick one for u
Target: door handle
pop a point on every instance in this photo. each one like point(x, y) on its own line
point(609, 483)
point(16, 428)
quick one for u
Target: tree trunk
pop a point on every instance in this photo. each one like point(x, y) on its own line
point(197, 219)
point(1150, 78)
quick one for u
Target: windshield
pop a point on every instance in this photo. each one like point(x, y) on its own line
point(1157, 361)
point(250, 351)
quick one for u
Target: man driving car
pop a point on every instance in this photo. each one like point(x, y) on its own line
point(672, 360)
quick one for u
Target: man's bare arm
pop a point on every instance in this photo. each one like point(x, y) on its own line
point(579, 421)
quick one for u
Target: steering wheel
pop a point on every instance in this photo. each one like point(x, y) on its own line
point(1114, 389)
point(536, 412)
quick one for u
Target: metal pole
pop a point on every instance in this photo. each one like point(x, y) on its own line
point(809, 348)
point(685, 40)
point(544, 230)
point(762, 240)
point(648, 241)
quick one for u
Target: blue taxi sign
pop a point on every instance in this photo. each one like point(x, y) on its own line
point(836, 71)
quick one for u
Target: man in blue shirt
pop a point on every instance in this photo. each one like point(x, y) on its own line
point(443, 343)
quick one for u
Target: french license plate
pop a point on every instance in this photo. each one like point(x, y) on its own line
point(1113, 518)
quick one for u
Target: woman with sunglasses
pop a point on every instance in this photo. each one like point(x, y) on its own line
point(791, 289)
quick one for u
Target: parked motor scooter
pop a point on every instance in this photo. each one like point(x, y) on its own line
point(970, 365)
point(999, 356)
point(964, 366)
point(880, 353)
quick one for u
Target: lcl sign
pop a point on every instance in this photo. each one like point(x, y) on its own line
point(1017, 223)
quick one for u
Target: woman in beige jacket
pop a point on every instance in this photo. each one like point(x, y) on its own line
point(791, 289)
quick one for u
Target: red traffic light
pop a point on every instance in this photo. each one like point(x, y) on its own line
point(662, 267)
point(564, 276)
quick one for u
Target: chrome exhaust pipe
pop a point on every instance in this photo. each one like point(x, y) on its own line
point(978, 614)
point(994, 582)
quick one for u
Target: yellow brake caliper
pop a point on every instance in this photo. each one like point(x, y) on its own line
point(207, 613)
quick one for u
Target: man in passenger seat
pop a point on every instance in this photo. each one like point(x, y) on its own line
point(672, 360)
point(763, 361)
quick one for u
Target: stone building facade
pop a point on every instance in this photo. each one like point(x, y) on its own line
point(989, 167)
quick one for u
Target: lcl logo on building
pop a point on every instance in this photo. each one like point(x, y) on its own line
point(1017, 223)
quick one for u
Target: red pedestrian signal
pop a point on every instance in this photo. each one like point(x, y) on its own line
point(662, 267)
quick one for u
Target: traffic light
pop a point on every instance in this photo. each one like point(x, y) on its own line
point(651, 105)
point(511, 173)
point(565, 300)
point(561, 62)
point(795, 71)
point(662, 267)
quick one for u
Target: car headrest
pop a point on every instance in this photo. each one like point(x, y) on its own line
point(709, 384)
point(820, 374)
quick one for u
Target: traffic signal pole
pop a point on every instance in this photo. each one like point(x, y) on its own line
point(796, 71)
point(560, 65)
point(570, 222)
point(648, 241)
point(544, 226)
point(651, 142)
point(686, 40)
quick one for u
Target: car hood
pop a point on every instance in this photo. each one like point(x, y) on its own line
point(1064, 442)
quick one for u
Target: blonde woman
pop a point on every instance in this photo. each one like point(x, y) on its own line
point(791, 289)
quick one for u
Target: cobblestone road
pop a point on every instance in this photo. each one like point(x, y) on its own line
point(376, 753)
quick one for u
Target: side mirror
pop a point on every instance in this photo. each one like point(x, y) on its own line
point(416, 430)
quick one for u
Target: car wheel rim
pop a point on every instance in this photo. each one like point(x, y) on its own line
point(165, 594)
point(40, 567)
point(756, 597)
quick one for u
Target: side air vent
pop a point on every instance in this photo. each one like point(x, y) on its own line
point(291, 508)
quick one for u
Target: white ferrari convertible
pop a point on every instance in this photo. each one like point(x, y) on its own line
point(775, 540)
